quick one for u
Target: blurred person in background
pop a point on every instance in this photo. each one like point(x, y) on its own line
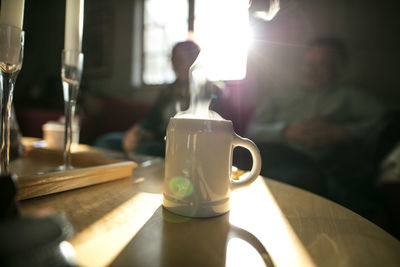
point(312, 138)
point(147, 136)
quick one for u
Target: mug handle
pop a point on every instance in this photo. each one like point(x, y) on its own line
point(249, 177)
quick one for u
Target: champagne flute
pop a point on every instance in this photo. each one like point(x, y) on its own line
point(11, 55)
point(71, 73)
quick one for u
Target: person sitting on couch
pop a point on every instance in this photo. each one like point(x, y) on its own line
point(311, 137)
point(147, 136)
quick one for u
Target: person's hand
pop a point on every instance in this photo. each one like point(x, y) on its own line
point(298, 133)
point(134, 137)
point(315, 132)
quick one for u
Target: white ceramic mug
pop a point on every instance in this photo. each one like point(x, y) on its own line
point(198, 166)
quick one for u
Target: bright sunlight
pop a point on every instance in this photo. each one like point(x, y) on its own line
point(223, 35)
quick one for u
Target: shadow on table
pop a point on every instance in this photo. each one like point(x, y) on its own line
point(92, 204)
point(171, 240)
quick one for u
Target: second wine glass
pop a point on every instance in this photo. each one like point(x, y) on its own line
point(71, 74)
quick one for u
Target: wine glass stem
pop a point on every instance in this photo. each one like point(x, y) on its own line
point(69, 107)
point(8, 82)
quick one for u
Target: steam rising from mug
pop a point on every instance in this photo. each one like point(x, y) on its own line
point(202, 91)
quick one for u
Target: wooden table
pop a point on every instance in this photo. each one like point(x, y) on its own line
point(122, 223)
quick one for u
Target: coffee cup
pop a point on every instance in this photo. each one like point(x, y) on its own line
point(198, 166)
point(54, 134)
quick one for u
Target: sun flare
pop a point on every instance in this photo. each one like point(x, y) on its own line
point(224, 36)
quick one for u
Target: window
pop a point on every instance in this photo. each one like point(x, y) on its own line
point(165, 23)
point(222, 31)
point(218, 27)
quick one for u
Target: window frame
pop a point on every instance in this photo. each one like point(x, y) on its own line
point(138, 42)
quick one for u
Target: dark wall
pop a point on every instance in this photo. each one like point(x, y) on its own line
point(39, 82)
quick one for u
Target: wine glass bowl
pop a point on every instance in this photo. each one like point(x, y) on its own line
point(11, 57)
point(11, 48)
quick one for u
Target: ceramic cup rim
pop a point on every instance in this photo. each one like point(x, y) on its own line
point(194, 124)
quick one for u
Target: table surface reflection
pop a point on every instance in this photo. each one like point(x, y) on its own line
point(122, 223)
